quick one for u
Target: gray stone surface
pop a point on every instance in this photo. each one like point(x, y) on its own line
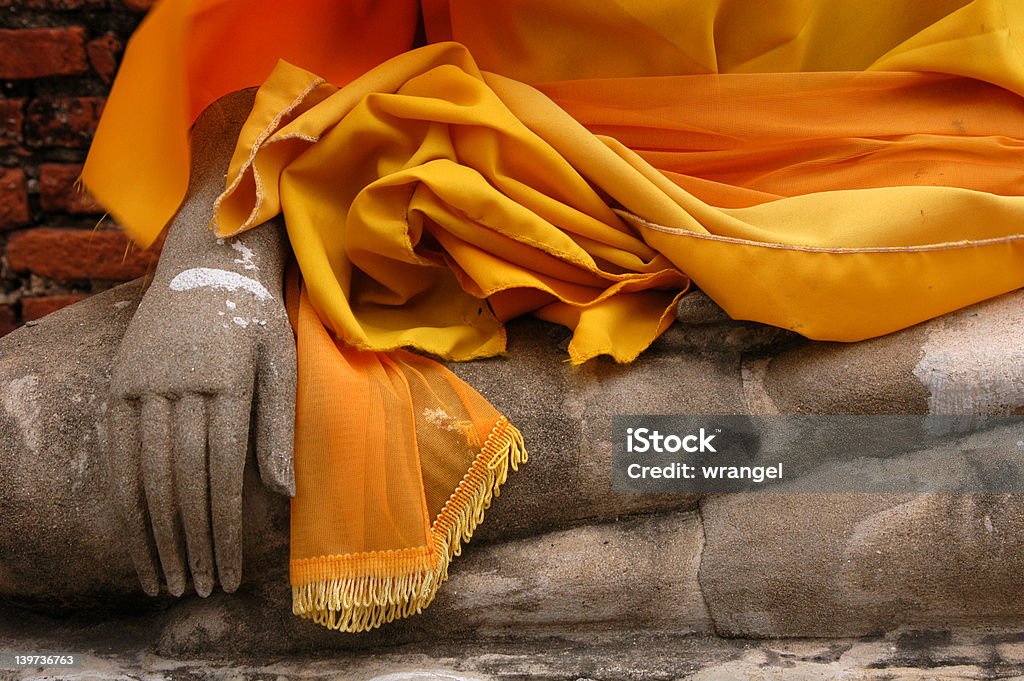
point(856, 564)
point(636, 575)
point(565, 414)
point(852, 564)
point(207, 359)
point(967, 362)
point(120, 654)
point(772, 565)
point(568, 438)
point(875, 376)
point(59, 537)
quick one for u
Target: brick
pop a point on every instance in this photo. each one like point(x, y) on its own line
point(41, 52)
point(103, 55)
point(37, 308)
point(139, 5)
point(77, 254)
point(8, 320)
point(13, 198)
point(12, 119)
point(57, 191)
point(53, 4)
point(62, 122)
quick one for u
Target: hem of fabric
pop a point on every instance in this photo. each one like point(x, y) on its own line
point(922, 248)
point(356, 602)
point(250, 162)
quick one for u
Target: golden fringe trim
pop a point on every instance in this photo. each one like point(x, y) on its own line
point(354, 604)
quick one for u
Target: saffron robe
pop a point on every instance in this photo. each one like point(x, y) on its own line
point(840, 170)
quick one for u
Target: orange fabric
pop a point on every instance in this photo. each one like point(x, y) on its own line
point(537, 41)
point(744, 139)
point(188, 53)
point(396, 460)
point(405, 207)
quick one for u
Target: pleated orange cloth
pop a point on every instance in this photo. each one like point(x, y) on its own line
point(840, 170)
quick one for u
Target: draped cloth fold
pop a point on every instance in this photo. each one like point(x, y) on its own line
point(427, 185)
point(427, 201)
point(412, 226)
point(396, 461)
point(871, 180)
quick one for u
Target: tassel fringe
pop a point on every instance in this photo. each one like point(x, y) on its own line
point(354, 604)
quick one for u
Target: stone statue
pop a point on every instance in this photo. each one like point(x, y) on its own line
point(110, 407)
point(210, 334)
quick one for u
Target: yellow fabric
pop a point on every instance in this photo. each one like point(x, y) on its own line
point(426, 185)
point(390, 196)
point(839, 168)
point(538, 41)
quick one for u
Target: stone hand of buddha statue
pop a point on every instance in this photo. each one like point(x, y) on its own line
point(206, 366)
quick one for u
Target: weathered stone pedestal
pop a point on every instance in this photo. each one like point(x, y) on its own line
point(566, 579)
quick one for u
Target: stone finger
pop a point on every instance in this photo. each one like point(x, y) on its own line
point(229, 442)
point(124, 462)
point(192, 483)
point(158, 477)
point(275, 413)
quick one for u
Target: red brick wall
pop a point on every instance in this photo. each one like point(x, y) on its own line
point(57, 59)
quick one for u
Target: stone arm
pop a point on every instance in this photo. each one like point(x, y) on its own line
point(206, 367)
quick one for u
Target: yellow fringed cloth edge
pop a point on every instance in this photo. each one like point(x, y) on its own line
point(357, 595)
